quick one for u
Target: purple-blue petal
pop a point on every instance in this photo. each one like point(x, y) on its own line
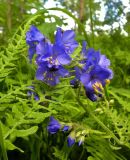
point(40, 48)
point(78, 72)
point(64, 59)
point(85, 78)
point(66, 40)
point(80, 143)
point(53, 126)
point(40, 72)
point(84, 50)
point(36, 97)
point(104, 62)
point(101, 73)
point(92, 96)
point(60, 54)
point(70, 141)
point(34, 35)
point(58, 36)
point(31, 51)
point(44, 48)
point(65, 128)
point(62, 72)
point(51, 78)
point(93, 56)
point(68, 36)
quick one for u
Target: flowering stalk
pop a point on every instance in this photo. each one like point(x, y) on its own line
point(2, 144)
point(100, 123)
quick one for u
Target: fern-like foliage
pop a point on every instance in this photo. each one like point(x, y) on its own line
point(19, 113)
point(104, 124)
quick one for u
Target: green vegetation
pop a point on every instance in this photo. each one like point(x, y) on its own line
point(105, 123)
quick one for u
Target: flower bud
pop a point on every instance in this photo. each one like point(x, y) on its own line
point(70, 141)
point(111, 101)
point(81, 140)
point(53, 126)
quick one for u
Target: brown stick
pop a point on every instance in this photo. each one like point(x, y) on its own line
point(81, 10)
point(9, 14)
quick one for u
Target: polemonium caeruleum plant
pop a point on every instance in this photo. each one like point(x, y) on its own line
point(77, 78)
point(92, 71)
point(59, 105)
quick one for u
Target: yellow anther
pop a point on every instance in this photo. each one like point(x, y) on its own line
point(107, 81)
point(101, 87)
point(97, 87)
point(45, 74)
point(56, 62)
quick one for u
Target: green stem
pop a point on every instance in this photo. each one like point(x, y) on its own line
point(2, 144)
point(81, 156)
point(100, 123)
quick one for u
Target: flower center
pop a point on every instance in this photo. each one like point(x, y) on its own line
point(97, 86)
point(52, 61)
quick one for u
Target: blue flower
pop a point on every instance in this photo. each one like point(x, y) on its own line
point(53, 126)
point(79, 71)
point(51, 58)
point(65, 128)
point(50, 61)
point(66, 39)
point(70, 141)
point(94, 81)
point(95, 72)
point(95, 58)
point(92, 58)
point(33, 36)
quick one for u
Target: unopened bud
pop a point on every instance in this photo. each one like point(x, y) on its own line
point(84, 132)
point(107, 81)
point(78, 134)
point(111, 101)
point(81, 140)
point(99, 110)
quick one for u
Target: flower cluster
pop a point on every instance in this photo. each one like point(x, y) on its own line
point(54, 126)
point(51, 58)
point(95, 72)
point(92, 70)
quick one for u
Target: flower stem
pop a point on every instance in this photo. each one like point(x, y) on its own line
point(100, 123)
point(2, 144)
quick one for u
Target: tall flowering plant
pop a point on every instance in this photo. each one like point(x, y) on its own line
point(55, 62)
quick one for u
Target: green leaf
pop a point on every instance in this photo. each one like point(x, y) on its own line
point(121, 91)
point(10, 146)
point(26, 132)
